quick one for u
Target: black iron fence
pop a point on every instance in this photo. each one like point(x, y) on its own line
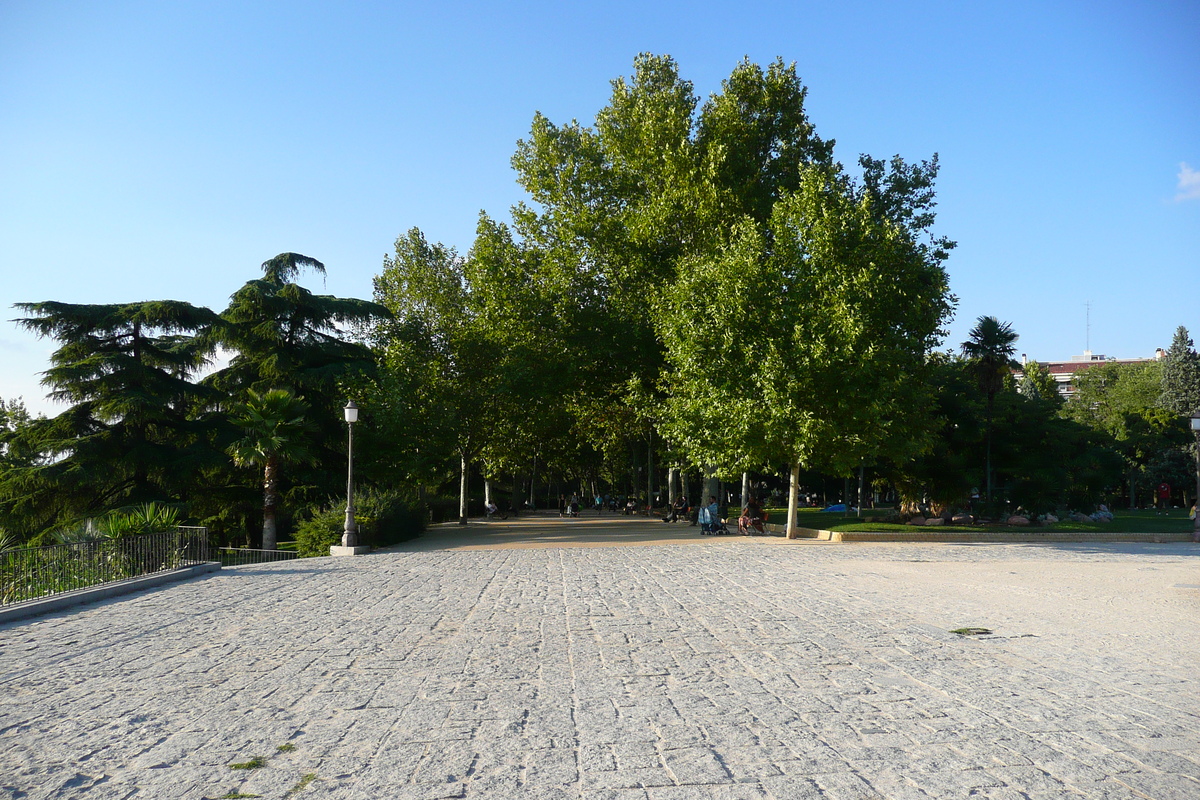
point(243, 556)
point(32, 572)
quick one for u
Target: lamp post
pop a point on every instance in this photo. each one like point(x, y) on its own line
point(1196, 430)
point(350, 545)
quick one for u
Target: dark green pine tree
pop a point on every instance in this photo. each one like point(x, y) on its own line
point(130, 435)
point(285, 337)
point(1181, 376)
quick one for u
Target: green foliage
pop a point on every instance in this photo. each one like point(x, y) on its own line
point(131, 434)
point(140, 428)
point(285, 337)
point(623, 209)
point(809, 351)
point(321, 529)
point(1037, 382)
point(277, 432)
point(1120, 401)
point(1180, 392)
point(119, 523)
point(383, 517)
point(25, 508)
point(467, 372)
point(147, 518)
point(1043, 461)
point(275, 427)
point(990, 347)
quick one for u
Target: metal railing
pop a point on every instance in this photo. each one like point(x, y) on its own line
point(244, 556)
point(33, 572)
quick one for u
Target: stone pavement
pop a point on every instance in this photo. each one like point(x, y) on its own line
point(706, 668)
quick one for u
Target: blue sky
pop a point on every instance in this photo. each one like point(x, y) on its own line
point(155, 150)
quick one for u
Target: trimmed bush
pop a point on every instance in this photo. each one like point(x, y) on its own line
point(384, 517)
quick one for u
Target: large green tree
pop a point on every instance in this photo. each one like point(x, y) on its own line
point(621, 206)
point(281, 335)
point(1047, 463)
point(131, 434)
point(471, 343)
point(807, 346)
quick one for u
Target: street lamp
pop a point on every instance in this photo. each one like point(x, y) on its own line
point(350, 545)
point(350, 535)
point(1196, 523)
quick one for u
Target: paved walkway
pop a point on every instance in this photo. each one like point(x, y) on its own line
point(703, 668)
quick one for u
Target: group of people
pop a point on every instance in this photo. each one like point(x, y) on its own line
point(600, 503)
point(752, 521)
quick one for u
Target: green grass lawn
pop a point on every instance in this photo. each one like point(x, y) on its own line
point(1176, 521)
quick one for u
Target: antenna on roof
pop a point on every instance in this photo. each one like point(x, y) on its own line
point(1088, 335)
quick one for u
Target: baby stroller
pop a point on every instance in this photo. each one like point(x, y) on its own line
point(710, 521)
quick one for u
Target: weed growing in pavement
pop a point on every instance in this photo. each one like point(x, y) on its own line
point(972, 631)
point(302, 784)
point(285, 748)
point(254, 763)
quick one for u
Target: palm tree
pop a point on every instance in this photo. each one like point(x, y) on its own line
point(990, 347)
point(276, 433)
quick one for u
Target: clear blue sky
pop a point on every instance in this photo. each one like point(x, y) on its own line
point(153, 150)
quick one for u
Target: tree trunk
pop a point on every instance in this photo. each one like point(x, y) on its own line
point(683, 483)
point(793, 491)
point(532, 476)
point(270, 498)
point(487, 491)
point(860, 490)
point(745, 489)
point(672, 476)
point(650, 471)
point(988, 464)
point(712, 488)
point(462, 494)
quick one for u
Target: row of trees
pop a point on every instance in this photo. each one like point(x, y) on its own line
point(703, 282)
point(691, 287)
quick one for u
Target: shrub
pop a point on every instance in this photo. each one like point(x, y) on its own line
point(384, 517)
point(321, 529)
point(116, 524)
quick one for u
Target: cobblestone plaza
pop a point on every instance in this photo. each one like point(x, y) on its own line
point(687, 667)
